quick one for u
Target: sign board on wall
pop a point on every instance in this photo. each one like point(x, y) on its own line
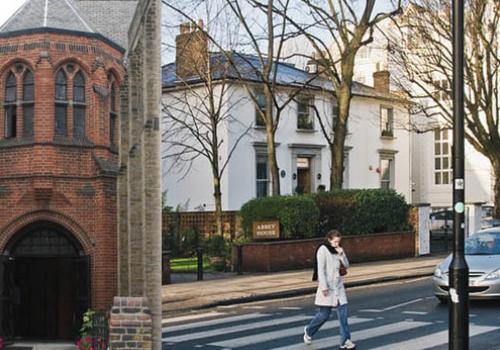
point(266, 230)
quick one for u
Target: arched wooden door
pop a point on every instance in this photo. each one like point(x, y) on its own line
point(45, 283)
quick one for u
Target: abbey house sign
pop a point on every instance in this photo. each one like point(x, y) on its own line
point(266, 230)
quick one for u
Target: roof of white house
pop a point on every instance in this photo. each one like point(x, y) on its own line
point(249, 68)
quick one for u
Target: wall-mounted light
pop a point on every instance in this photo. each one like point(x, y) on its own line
point(283, 173)
point(294, 176)
point(318, 176)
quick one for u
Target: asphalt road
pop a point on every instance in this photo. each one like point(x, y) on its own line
point(399, 316)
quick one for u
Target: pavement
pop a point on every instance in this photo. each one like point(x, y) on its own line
point(189, 296)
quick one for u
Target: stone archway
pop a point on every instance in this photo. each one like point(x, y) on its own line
point(45, 279)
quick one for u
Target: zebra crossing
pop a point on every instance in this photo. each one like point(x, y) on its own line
point(283, 330)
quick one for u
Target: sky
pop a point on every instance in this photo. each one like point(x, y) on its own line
point(7, 9)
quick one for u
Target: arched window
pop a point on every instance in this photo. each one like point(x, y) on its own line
point(79, 106)
point(28, 104)
point(10, 106)
point(113, 115)
point(61, 104)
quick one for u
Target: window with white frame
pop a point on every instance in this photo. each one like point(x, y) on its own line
point(304, 118)
point(262, 175)
point(442, 157)
point(442, 90)
point(386, 171)
point(260, 108)
point(387, 121)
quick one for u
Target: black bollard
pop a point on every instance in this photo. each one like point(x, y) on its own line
point(199, 254)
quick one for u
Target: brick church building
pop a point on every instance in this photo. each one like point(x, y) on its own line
point(61, 69)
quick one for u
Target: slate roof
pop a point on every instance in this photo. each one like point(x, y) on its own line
point(107, 18)
point(111, 18)
point(250, 68)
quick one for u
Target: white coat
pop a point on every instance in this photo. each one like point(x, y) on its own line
point(329, 278)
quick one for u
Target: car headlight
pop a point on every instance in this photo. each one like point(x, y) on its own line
point(495, 275)
point(438, 273)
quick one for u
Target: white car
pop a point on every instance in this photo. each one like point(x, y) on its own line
point(482, 253)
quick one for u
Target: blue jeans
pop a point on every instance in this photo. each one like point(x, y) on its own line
point(323, 315)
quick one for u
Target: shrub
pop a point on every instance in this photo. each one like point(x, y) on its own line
point(298, 215)
point(362, 211)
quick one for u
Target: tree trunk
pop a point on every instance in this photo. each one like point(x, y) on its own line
point(496, 188)
point(218, 205)
point(337, 149)
point(273, 163)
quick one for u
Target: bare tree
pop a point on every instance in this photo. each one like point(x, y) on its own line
point(199, 105)
point(337, 29)
point(422, 51)
point(261, 38)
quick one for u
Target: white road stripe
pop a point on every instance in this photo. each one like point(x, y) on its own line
point(234, 329)
point(434, 339)
point(268, 336)
point(192, 317)
point(245, 317)
point(393, 306)
point(325, 343)
point(256, 307)
point(421, 313)
point(290, 308)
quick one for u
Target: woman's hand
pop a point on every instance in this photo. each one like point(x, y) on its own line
point(340, 250)
point(325, 292)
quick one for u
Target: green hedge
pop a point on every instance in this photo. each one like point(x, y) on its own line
point(298, 215)
point(362, 211)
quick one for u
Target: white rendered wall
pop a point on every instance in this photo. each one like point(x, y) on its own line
point(239, 180)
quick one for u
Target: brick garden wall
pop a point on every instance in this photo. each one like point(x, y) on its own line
point(290, 255)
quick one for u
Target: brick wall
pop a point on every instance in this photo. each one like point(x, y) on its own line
point(290, 255)
point(130, 324)
point(63, 180)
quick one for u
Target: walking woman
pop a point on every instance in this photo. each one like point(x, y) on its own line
point(331, 292)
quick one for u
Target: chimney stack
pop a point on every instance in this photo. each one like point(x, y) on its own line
point(382, 81)
point(191, 50)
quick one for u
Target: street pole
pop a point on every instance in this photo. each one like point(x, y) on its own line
point(458, 270)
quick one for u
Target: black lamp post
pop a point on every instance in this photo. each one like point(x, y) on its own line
point(458, 270)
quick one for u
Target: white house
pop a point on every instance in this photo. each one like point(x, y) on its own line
point(431, 147)
point(377, 146)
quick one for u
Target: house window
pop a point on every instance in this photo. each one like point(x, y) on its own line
point(262, 175)
point(113, 116)
point(442, 90)
point(260, 108)
point(79, 106)
point(28, 104)
point(386, 172)
point(387, 121)
point(442, 157)
point(61, 104)
point(10, 107)
point(304, 120)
